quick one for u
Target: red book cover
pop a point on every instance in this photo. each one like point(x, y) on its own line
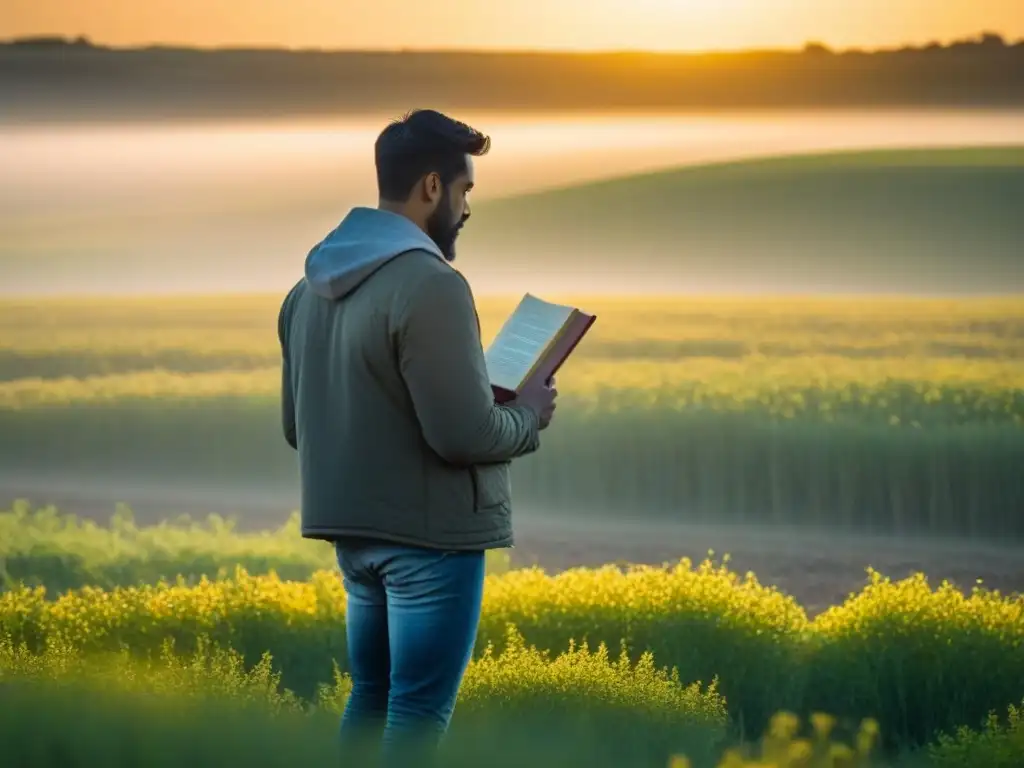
point(556, 355)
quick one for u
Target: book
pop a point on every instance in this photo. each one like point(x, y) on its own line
point(534, 342)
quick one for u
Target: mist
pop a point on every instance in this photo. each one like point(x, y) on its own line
point(235, 206)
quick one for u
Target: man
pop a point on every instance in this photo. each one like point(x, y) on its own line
point(403, 454)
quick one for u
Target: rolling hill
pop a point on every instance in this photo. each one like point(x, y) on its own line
point(921, 221)
point(935, 221)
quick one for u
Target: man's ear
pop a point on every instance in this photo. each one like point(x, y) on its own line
point(431, 188)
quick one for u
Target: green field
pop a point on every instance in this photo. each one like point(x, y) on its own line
point(881, 415)
point(878, 414)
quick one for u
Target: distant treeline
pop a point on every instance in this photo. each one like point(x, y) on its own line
point(72, 79)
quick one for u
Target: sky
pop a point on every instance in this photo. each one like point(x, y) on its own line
point(660, 25)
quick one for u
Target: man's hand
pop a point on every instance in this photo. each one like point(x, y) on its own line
point(541, 400)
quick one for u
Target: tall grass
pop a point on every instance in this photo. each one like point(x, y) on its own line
point(996, 743)
point(687, 465)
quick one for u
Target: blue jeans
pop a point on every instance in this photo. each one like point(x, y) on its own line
point(411, 623)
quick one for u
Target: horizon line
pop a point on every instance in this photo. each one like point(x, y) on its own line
point(80, 39)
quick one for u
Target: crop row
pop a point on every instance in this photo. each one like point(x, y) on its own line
point(681, 465)
point(83, 338)
point(909, 393)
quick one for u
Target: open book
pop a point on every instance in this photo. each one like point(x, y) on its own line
point(532, 345)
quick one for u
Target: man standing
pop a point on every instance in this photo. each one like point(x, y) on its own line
point(403, 454)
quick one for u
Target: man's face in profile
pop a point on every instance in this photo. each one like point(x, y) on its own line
point(452, 211)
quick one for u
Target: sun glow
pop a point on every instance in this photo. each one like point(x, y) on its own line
point(538, 24)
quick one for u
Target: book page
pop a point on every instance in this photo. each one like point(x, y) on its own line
point(523, 339)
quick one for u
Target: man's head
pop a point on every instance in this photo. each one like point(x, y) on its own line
point(425, 172)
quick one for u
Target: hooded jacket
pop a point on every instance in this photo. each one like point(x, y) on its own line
point(386, 398)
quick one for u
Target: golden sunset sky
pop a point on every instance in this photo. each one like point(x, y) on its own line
point(519, 24)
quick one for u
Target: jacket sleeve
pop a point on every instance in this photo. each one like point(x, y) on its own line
point(287, 396)
point(442, 362)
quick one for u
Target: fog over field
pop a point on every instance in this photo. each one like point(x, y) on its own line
point(234, 207)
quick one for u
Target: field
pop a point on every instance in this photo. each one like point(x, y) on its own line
point(876, 416)
point(787, 468)
point(787, 434)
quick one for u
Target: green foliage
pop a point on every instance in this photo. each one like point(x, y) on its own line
point(783, 746)
point(580, 708)
point(60, 552)
point(702, 621)
point(707, 621)
point(918, 660)
point(921, 660)
point(996, 744)
point(210, 672)
point(44, 548)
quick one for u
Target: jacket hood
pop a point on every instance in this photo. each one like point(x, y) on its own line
point(364, 240)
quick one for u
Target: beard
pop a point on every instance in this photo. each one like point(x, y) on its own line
point(443, 228)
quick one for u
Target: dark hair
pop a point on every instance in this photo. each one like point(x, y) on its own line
point(422, 142)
